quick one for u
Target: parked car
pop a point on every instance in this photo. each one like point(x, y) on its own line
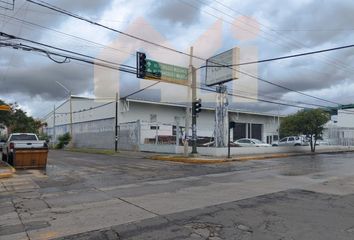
point(251, 142)
point(292, 141)
point(212, 143)
point(25, 142)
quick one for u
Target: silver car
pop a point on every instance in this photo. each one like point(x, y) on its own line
point(292, 141)
point(251, 142)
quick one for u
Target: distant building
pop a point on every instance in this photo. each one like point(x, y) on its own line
point(340, 130)
point(144, 122)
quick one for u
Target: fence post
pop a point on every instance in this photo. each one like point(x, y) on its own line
point(177, 133)
point(138, 134)
point(156, 133)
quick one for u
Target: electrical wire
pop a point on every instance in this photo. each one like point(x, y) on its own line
point(63, 33)
point(61, 49)
point(29, 48)
point(66, 57)
point(84, 110)
point(57, 9)
point(284, 57)
point(297, 43)
point(122, 98)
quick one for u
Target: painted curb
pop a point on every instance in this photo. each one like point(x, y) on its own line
point(183, 159)
point(10, 171)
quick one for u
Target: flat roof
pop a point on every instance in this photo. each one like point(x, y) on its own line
point(169, 104)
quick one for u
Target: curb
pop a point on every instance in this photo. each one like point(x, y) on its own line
point(183, 159)
point(10, 170)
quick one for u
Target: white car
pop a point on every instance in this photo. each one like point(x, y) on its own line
point(292, 141)
point(18, 141)
point(251, 142)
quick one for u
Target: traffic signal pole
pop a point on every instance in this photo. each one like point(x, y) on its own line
point(116, 124)
point(194, 110)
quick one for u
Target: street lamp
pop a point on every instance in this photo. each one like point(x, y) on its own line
point(71, 107)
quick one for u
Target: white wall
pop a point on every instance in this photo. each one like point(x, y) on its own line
point(270, 123)
point(142, 111)
point(345, 118)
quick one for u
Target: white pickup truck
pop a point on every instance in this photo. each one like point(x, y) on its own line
point(18, 143)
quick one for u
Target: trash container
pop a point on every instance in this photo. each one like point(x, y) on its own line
point(30, 158)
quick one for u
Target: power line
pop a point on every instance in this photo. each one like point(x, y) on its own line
point(48, 53)
point(66, 57)
point(254, 98)
point(285, 57)
point(63, 33)
point(297, 43)
point(84, 110)
point(57, 9)
point(264, 96)
point(29, 48)
point(121, 98)
point(60, 49)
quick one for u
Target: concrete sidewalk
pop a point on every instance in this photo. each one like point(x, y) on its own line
point(6, 170)
point(210, 160)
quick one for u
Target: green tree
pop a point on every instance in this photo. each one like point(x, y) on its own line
point(305, 122)
point(16, 120)
point(5, 116)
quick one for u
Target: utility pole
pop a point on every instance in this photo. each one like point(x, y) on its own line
point(71, 110)
point(194, 112)
point(116, 125)
point(188, 107)
point(278, 124)
point(54, 135)
point(221, 116)
point(71, 117)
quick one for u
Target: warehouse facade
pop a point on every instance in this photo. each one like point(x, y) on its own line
point(146, 123)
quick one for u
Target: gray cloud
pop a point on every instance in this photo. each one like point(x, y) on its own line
point(46, 17)
point(309, 23)
point(39, 78)
point(181, 12)
point(313, 24)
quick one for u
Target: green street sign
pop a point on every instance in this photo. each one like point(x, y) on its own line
point(166, 72)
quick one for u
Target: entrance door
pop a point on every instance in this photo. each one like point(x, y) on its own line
point(239, 131)
point(256, 131)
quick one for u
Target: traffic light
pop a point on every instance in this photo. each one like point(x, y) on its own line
point(140, 65)
point(197, 106)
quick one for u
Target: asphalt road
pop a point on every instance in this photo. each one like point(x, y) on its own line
point(88, 196)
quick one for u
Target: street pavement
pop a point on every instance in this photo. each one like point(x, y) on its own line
point(88, 196)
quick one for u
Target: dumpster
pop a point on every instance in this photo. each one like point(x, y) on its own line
point(30, 158)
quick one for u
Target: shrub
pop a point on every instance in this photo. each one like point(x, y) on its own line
point(63, 140)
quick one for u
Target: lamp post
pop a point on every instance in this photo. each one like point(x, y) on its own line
point(70, 105)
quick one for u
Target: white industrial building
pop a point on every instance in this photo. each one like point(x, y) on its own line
point(340, 130)
point(144, 125)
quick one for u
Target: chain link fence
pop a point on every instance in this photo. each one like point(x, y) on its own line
point(131, 135)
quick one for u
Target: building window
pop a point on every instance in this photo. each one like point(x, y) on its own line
point(275, 138)
point(174, 132)
point(154, 127)
point(153, 117)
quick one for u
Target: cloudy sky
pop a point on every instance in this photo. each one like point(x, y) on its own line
point(274, 28)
